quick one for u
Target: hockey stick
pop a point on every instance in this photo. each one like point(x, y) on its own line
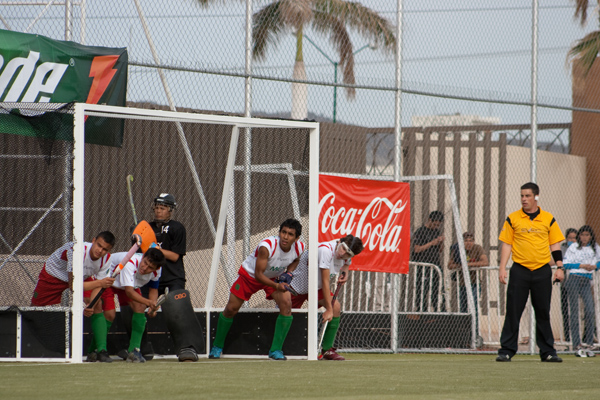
point(144, 238)
point(335, 295)
point(129, 180)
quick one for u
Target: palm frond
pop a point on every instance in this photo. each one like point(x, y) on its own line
point(585, 51)
point(267, 27)
point(340, 38)
point(367, 22)
point(581, 10)
point(296, 13)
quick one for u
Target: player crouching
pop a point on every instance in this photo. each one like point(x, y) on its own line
point(334, 258)
point(140, 270)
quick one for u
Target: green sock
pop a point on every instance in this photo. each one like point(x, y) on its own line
point(99, 329)
point(330, 332)
point(282, 327)
point(223, 326)
point(138, 324)
point(102, 343)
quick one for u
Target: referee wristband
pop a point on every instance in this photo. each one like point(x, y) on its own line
point(557, 255)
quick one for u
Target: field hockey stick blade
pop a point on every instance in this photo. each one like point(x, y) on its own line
point(322, 335)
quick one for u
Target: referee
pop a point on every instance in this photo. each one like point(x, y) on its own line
point(530, 234)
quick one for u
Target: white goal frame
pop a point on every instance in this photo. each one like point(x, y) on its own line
point(82, 110)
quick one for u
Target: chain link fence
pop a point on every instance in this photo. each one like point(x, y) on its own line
point(465, 106)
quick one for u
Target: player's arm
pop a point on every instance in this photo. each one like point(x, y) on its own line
point(328, 314)
point(170, 255)
point(135, 296)
point(99, 283)
point(343, 275)
point(153, 296)
point(293, 265)
point(261, 266)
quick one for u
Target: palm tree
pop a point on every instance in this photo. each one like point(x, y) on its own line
point(584, 52)
point(328, 17)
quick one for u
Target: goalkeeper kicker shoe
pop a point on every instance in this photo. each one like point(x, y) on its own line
point(277, 355)
point(331, 355)
point(135, 357)
point(187, 354)
point(215, 352)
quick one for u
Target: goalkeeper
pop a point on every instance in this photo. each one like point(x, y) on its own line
point(261, 271)
point(334, 259)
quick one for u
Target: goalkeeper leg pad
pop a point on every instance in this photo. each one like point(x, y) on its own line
point(183, 325)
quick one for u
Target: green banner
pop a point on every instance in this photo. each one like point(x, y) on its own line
point(37, 69)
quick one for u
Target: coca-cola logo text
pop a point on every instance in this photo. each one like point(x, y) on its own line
point(377, 224)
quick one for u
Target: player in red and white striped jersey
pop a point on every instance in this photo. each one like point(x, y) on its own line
point(137, 272)
point(272, 257)
point(334, 258)
point(57, 274)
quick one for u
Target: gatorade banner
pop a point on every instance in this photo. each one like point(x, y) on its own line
point(37, 69)
point(376, 211)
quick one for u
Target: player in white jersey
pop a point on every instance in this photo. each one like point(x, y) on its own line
point(334, 259)
point(260, 271)
point(57, 274)
point(137, 272)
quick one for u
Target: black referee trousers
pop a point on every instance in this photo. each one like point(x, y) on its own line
point(523, 282)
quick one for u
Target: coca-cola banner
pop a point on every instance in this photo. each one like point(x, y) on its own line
point(376, 211)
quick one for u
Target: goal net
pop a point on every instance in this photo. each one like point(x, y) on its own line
point(435, 307)
point(234, 179)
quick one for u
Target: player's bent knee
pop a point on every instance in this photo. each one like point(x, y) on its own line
point(337, 309)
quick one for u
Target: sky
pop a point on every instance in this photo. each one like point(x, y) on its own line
point(476, 49)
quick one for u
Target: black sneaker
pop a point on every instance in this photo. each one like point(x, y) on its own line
point(104, 357)
point(123, 353)
point(552, 358)
point(92, 357)
point(503, 358)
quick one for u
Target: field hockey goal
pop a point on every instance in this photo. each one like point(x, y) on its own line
point(234, 179)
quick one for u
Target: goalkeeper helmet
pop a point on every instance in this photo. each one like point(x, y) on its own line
point(165, 199)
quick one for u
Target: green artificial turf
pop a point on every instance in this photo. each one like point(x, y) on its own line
point(362, 376)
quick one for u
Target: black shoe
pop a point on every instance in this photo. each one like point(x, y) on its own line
point(104, 357)
point(503, 358)
point(552, 358)
point(92, 357)
point(123, 353)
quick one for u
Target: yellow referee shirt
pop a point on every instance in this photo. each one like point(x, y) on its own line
point(531, 240)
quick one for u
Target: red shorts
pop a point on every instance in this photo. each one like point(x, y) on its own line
point(108, 298)
point(48, 290)
point(245, 286)
point(298, 301)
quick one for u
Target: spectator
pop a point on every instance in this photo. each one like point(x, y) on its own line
point(571, 237)
point(428, 243)
point(475, 258)
point(581, 259)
